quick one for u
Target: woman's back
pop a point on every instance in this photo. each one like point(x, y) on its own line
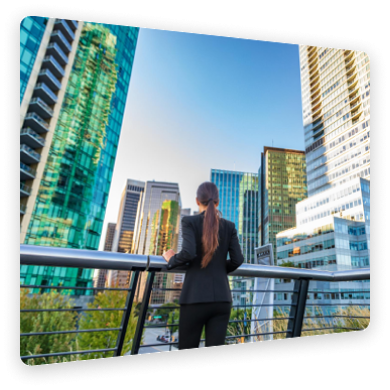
point(208, 284)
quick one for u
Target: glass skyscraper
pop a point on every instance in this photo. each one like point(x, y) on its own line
point(71, 118)
point(238, 202)
point(282, 184)
point(124, 231)
point(157, 230)
point(333, 223)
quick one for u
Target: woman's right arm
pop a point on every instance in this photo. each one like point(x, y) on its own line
point(235, 253)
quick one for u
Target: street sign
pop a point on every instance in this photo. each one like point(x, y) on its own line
point(157, 317)
point(265, 255)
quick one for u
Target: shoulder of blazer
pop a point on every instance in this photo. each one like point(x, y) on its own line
point(231, 225)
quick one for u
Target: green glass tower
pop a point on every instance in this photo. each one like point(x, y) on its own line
point(67, 203)
point(282, 184)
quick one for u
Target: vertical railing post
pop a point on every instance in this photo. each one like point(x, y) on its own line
point(142, 314)
point(297, 310)
point(126, 314)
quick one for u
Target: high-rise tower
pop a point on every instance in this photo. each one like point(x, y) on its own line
point(124, 231)
point(336, 115)
point(71, 117)
point(156, 230)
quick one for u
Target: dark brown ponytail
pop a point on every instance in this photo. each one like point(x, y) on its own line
point(208, 195)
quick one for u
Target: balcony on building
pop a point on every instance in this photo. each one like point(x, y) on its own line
point(48, 78)
point(30, 138)
point(44, 92)
point(62, 25)
point(25, 190)
point(22, 209)
point(54, 50)
point(41, 108)
point(35, 122)
point(58, 37)
point(29, 155)
point(73, 24)
point(26, 172)
point(49, 62)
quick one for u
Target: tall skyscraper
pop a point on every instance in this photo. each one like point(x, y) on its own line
point(333, 224)
point(71, 117)
point(336, 115)
point(100, 276)
point(156, 230)
point(124, 232)
point(282, 184)
point(238, 202)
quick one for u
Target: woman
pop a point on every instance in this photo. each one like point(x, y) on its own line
point(205, 298)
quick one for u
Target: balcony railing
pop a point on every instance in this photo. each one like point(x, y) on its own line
point(299, 319)
point(51, 63)
point(31, 138)
point(58, 36)
point(43, 91)
point(63, 26)
point(25, 190)
point(49, 79)
point(26, 172)
point(55, 50)
point(34, 121)
point(29, 155)
point(39, 106)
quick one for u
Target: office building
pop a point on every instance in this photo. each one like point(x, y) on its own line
point(124, 232)
point(336, 115)
point(72, 108)
point(238, 202)
point(157, 230)
point(333, 224)
point(100, 277)
point(282, 183)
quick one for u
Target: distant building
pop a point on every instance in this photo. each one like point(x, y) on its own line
point(238, 202)
point(156, 230)
point(100, 277)
point(178, 279)
point(124, 232)
point(282, 184)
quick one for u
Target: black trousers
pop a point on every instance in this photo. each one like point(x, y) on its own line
point(214, 316)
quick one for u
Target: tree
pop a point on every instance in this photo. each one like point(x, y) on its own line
point(239, 328)
point(106, 319)
point(46, 322)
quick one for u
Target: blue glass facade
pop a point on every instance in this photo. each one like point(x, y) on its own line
point(72, 197)
point(31, 32)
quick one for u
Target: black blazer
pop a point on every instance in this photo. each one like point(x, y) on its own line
point(208, 284)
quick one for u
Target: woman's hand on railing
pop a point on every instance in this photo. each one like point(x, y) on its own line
point(168, 254)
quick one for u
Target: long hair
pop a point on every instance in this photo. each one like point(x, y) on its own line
point(208, 195)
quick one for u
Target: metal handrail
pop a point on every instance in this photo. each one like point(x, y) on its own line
point(66, 257)
point(80, 258)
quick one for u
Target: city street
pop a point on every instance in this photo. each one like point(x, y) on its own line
point(150, 337)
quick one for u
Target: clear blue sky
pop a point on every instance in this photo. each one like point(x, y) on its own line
point(198, 102)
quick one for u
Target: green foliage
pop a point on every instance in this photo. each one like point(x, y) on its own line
point(170, 316)
point(105, 319)
point(239, 328)
point(46, 322)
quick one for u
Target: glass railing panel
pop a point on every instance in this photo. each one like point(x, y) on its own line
point(27, 168)
point(32, 133)
point(55, 63)
point(63, 39)
point(24, 187)
point(42, 104)
point(30, 151)
point(47, 90)
point(59, 51)
point(46, 72)
point(33, 115)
